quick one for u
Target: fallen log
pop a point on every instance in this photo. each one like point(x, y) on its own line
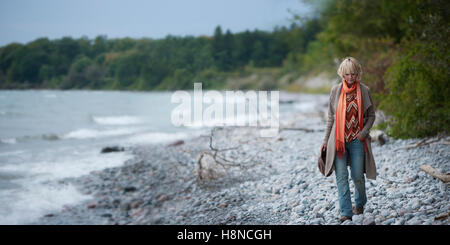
point(420, 143)
point(433, 172)
point(442, 216)
point(300, 129)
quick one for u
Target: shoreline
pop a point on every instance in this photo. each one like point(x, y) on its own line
point(275, 182)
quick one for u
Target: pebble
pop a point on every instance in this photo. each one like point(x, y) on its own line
point(399, 221)
point(409, 216)
point(125, 206)
point(358, 219)
point(388, 221)
point(410, 190)
point(415, 204)
point(429, 200)
point(348, 222)
point(414, 221)
point(369, 220)
point(385, 213)
point(92, 205)
point(317, 221)
point(129, 189)
point(401, 212)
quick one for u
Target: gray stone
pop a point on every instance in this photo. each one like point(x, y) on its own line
point(410, 190)
point(415, 204)
point(388, 221)
point(316, 221)
point(429, 200)
point(408, 216)
point(358, 219)
point(125, 206)
point(348, 222)
point(369, 221)
point(414, 221)
point(399, 221)
point(385, 213)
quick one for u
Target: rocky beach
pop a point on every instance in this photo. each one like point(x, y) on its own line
point(232, 176)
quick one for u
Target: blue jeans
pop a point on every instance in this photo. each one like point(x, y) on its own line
point(356, 151)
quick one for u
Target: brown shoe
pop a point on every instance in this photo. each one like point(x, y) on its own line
point(358, 210)
point(344, 218)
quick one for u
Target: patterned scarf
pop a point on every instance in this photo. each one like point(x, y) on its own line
point(340, 116)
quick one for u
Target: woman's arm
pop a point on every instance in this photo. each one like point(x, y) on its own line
point(330, 120)
point(370, 118)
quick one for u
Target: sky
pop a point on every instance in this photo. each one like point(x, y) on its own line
point(26, 20)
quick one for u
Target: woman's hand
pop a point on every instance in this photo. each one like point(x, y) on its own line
point(360, 137)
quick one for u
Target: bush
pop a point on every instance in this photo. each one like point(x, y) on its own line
point(418, 93)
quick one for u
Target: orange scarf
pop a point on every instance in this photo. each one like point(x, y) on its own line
point(340, 116)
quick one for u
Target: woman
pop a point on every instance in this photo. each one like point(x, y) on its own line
point(350, 116)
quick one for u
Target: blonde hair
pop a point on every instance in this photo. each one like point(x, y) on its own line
point(350, 65)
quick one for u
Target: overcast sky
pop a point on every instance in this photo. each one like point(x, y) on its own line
point(26, 20)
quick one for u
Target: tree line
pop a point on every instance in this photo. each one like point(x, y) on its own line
point(141, 64)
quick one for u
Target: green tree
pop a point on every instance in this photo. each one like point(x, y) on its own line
point(77, 77)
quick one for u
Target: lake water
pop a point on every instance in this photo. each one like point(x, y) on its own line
point(48, 135)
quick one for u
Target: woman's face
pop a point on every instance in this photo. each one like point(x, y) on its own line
point(350, 77)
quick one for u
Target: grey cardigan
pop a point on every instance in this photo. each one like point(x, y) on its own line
point(368, 120)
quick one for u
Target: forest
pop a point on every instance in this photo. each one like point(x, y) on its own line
point(402, 45)
point(143, 64)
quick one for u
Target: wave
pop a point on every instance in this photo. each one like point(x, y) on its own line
point(10, 141)
point(85, 133)
point(37, 182)
point(11, 153)
point(11, 113)
point(16, 140)
point(117, 120)
point(44, 200)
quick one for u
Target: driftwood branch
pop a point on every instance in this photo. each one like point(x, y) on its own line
point(422, 143)
point(216, 157)
point(302, 129)
point(435, 173)
point(442, 216)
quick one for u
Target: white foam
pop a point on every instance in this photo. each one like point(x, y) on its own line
point(11, 153)
point(45, 197)
point(70, 165)
point(117, 120)
point(34, 201)
point(85, 133)
point(9, 141)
